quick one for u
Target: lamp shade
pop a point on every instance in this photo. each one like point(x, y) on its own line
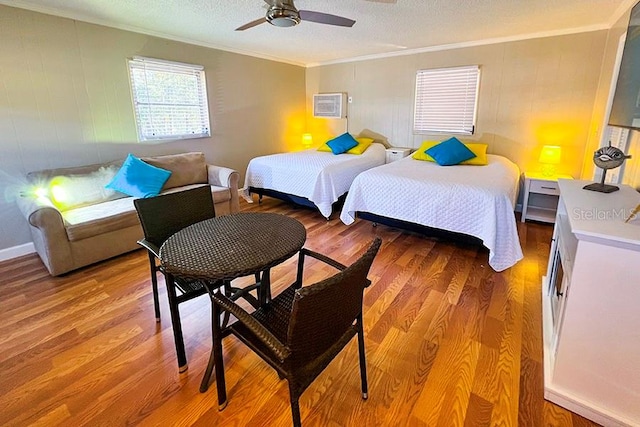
point(307, 139)
point(550, 155)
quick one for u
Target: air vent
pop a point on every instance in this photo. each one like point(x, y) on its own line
point(330, 105)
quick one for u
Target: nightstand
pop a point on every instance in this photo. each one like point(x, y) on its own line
point(394, 154)
point(541, 194)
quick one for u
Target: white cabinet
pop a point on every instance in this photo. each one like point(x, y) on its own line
point(591, 306)
point(394, 154)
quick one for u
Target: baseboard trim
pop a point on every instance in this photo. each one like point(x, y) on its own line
point(16, 251)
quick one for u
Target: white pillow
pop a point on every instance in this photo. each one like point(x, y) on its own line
point(72, 191)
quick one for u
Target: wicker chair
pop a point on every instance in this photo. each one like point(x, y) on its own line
point(301, 330)
point(160, 217)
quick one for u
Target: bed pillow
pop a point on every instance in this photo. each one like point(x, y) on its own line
point(450, 152)
point(363, 144)
point(342, 143)
point(139, 179)
point(480, 150)
point(421, 153)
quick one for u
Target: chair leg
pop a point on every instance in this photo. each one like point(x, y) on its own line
point(177, 324)
point(363, 363)
point(215, 360)
point(219, 362)
point(154, 284)
point(295, 407)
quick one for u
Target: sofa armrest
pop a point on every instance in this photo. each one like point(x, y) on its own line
point(40, 212)
point(223, 177)
point(226, 177)
point(48, 232)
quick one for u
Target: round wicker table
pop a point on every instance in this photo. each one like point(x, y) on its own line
point(231, 246)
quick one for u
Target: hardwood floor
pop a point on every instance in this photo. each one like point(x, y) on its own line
point(449, 342)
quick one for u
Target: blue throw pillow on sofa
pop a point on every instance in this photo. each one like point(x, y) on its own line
point(450, 152)
point(342, 143)
point(139, 179)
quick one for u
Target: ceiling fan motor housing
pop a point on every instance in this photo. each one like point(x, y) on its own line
point(283, 15)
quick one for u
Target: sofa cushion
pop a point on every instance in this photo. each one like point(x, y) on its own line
point(186, 169)
point(92, 220)
point(84, 185)
point(89, 221)
point(220, 194)
point(74, 190)
point(44, 176)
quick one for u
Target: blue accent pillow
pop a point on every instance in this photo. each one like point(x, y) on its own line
point(139, 179)
point(342, 143)
point(450, 152)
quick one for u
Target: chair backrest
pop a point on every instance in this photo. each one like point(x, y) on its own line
point(162, 216)
point(323, 312)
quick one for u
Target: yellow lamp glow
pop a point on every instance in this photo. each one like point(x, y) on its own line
point(550, 157)
point(59, 194)
point(307, 140)
point(41, 192)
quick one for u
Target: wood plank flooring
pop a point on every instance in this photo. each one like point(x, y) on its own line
point(449, 342)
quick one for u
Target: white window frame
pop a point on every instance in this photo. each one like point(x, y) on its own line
point(446, 100)
point(173, 123)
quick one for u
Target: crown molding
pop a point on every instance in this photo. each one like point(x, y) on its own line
point(462, 45)
point(21, 4)
point(624, 7)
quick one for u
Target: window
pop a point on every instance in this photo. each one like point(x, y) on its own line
point(169, 99)
point(446, 100)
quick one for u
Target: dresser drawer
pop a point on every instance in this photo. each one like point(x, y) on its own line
point(544, 187)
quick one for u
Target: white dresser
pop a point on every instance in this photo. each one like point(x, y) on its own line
point(591, 306)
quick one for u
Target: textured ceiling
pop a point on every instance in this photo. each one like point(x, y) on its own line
point(381, 28)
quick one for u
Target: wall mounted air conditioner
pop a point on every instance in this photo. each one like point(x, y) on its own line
point(330, 105)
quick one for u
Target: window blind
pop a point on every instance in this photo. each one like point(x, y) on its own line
point(446, 100)
point(169, 98)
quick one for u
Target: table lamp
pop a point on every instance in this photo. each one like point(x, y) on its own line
point(550, 157)
point(307, 140)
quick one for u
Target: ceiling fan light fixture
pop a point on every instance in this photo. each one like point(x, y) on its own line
point(283, 17)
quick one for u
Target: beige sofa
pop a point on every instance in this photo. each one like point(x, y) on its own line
point(97, 223)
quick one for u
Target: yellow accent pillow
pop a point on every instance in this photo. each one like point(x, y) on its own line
point(480, 150)
point(420, 152)
point(363, 144)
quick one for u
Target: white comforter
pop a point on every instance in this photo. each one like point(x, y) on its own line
point(321, 177)
point(474, 200)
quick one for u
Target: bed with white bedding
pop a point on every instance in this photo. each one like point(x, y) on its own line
point(478, 201)
point(318, 177)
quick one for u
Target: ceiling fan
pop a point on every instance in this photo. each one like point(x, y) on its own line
point(283, 13)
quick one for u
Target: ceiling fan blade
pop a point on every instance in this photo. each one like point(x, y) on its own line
point(325, 18)
point(269, 2)
point(251, 24)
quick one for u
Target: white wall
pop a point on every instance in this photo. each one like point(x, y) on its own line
point(65, 101)
point(532, 92)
